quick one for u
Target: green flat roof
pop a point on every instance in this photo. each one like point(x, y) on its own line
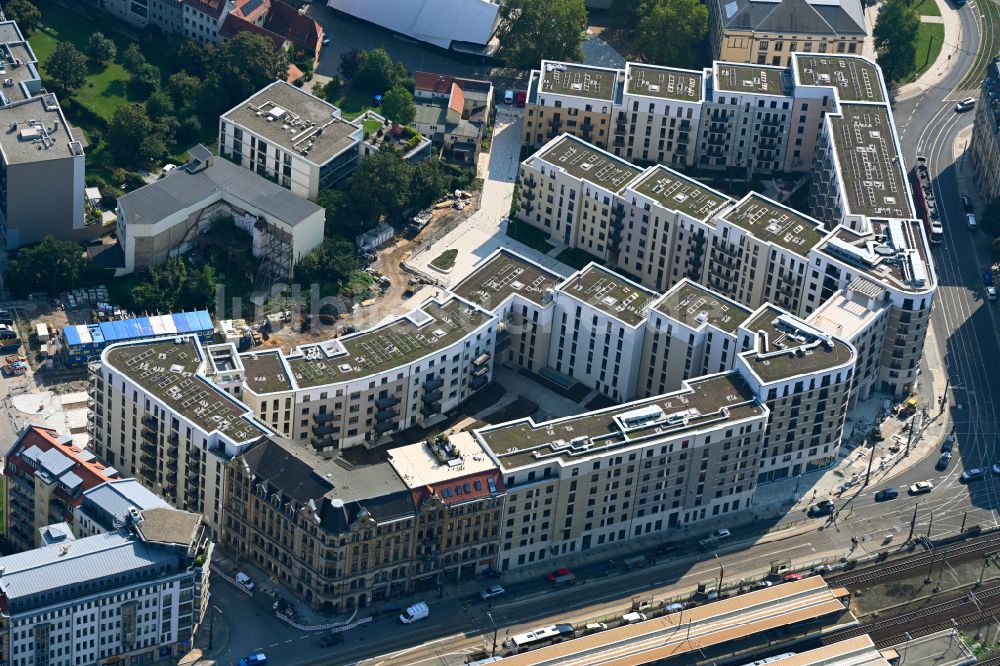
point(758, 79)
point(774, 223)
point(504, 274)
point(793, 347)
point(676, 192)
point(168, 370)
point(855, 79)
point(874, 183)
point(586, 162)
point(610, 293)
point(574, 80)
point(420, 333)
point(663, 82)
point(516, 444)
point(695, 305)
point(265, 373)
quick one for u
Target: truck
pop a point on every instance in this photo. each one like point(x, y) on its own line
point(415, 613)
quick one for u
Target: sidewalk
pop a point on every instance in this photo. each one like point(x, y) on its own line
point(946, 59)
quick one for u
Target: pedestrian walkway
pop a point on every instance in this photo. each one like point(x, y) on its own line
point(946, 59)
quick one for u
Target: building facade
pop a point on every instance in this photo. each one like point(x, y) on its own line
point(985, 145)
point(137, 593)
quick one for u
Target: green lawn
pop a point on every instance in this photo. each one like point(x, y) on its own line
point(930, 35)
point(371, 126)
point(576, 258)
point(531, 236)
point(353, 103)
point(445, 261)
point(105, 90)
point(926, 7)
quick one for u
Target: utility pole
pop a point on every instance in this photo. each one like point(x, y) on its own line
point(721, 571)
point(964, 516)
point(871, 459)
point(930, 524)
point(909, 436)
point(494, 652)
point(913, 522)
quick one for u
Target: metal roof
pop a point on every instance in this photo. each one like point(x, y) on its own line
point(111, 500)
point(221, 179)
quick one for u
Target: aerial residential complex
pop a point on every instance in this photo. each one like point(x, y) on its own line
point(136, 593)
point(291, 137)
point(768, 32)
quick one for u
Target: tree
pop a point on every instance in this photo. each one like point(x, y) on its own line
point(101, 48)
point(376, 74)
point(159, 104)
point(990, 218)
point(174, 286)
point(28, 18)
point(132, 59)
point(183, 89)
point(380, 186)
point(429, 183)
point(896, 39)
point(398, 105)
point(671, 31)
point(52, 266)
point(128, 129)
point(145, 79)
point(532, 30)
point(625, 13)
point(329, 265)
point(66, 68)
point(246, 63)
point(351, 61)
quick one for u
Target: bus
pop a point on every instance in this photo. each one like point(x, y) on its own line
point(539, 637)
point(926, 205)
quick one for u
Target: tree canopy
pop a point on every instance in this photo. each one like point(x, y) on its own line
point(895, 37)
point(101, 48)
point(670, 31)
point(351, 62)
point(398, 105)
point(533, 30)
point(329, 265)
point(174, 286)
point(246, 63)
point(51, 266)
point(26, 14)
point(377, 73)
point(128, 129)
point(66, 68)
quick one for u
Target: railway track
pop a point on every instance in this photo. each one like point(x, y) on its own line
point(888, 571)
point(970, 608)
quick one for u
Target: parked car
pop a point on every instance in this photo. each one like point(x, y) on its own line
point(942, 463)
point(973, 474)
point(965, 105)
point(415, 613)
point(886, 494)
point(970, 221)
point(244, 580)
point(949, 443)
point(721, 534)
point(594, 627)
point(995, 469)
point(761, 584)
point(326, 41)
point(6, 318)
point(490, 592)
point(921, 487)
point(988, 278)
point(824, 508)
point(633, 617)
point(331, 639)
point(552, 575)
point(256, 659)
point(966, 204)
point(508, 96)
point(991, 293)
point(792, 577)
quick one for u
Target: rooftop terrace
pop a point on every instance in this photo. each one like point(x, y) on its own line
point(582, 160)
point(297, 121)
point(264, 372)
point(874, 184)
point(791, 347)
point(427, 330)
point(167, 369)
point(663, 82)
point(855, 79)
point(774, 223)
point(707, 403)
point(695, 305)
point(754, 79)
point(505, 273)
point(610, 293)
point(574, 80)
point(674, 191)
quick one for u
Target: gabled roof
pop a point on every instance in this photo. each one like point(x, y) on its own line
point(303, 31)
point(843, 17)
point(234, 25)
point(456, 102)
point(42, 451)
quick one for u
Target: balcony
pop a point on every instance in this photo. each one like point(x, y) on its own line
point(388, 401)
point(432, 397)
point(323, 443)
point(481, 359)
point(481, 371)
point(149, 435)
point(322, 418)
point(384, 426)
point(384, 414)
point(478, 382)
point(320, 430)
point(433, 383)
point(428, 409)
point(555, 123)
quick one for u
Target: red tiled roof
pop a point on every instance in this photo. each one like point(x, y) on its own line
point(91, 472)
point(251, 10)
point(456, 101)
point(294, 73)
point(304, 32)
point(438, 83)
point(235, 25)
point(462, 488)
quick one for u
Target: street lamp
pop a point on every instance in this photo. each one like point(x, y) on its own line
point(721, 571)
point(493, 653)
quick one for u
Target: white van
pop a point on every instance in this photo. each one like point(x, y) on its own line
point(245, 581)
point(971, 220)
point(633, 617)
point(415, 613)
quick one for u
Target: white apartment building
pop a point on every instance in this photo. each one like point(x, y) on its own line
point(137, 593)
point(291, 137)
point(156, 415)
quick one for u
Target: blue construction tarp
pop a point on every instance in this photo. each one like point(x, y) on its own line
point(108, 331)
point(71, 336)
point(205, 320)
point(182, 324)
point(121, 331)
point(193, 322)
point(97, 336)
point(145, 327)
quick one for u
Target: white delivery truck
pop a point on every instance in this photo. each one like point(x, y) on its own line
point(415, 613)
